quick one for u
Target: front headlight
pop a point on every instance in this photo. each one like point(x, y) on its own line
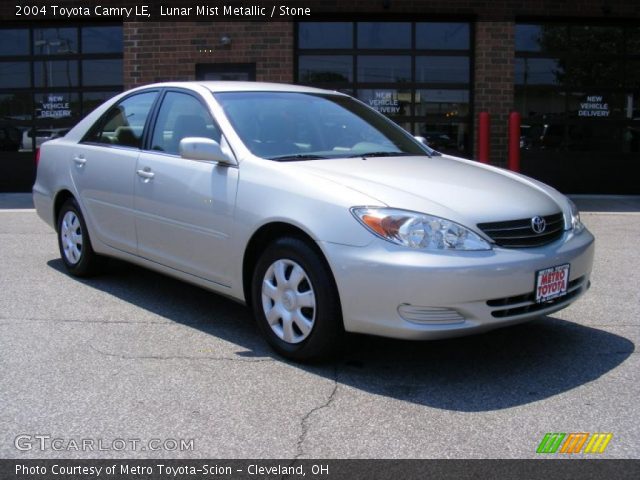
point(576, 224)
point(417, 230)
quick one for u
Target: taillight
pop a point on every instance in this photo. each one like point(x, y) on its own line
point(37, 156)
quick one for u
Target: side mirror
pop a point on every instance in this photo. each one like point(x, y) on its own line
point(421, 140)
point(200, 148)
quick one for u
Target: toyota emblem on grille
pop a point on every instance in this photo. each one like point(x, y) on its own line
point(538, 224)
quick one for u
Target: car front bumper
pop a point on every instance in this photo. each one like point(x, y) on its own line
point(395, 292)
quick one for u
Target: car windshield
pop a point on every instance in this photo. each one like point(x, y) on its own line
point(287, 126)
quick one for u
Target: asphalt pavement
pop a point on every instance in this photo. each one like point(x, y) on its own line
point(135, 356)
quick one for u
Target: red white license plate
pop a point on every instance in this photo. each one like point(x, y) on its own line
point(552, 282)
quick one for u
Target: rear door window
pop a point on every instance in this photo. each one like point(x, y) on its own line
point(123, 125)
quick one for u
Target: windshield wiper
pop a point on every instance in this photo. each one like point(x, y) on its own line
point(297, 156)
point(380, 154)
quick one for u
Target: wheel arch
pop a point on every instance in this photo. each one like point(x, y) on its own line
point(61, 197)
point(265, 235)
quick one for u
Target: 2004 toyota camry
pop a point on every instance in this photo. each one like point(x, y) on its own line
point(318, 212)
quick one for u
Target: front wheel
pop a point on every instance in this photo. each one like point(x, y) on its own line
point(295, 301)
point(74, 243)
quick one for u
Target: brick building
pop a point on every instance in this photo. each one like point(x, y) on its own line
point(571, 69)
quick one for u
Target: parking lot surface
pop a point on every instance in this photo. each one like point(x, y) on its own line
point(134, 355)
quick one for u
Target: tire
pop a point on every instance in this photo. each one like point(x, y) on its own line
point(73, 240)
point(295, 301)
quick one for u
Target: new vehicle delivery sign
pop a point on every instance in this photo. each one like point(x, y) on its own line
point(55, 106)
point(552, 282)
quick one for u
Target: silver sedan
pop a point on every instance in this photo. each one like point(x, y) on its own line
point(316, 211)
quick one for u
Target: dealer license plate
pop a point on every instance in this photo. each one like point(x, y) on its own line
point(552, 283)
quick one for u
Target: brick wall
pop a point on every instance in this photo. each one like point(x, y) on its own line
point(163, 51)
point(493, 82)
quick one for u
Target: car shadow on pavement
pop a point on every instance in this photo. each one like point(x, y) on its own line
point(496, 370)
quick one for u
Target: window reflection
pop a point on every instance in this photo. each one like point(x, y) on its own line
point(379, 68)
point(541, 38)
point(404, 125)
point(325, 68)
point(41, 86)
point(632, 75)
point(540, 103)
point(591, 39)
point(55, 41)
point(381, 35)
point(446, 137)
point(14, 75)
point(586, 71)
point(325, 35)
point(102, 39)
point(391, 60)
point(442, 69)
point(539, 71)
point(54, 73)
point(449, 103)
point(15, 118)
point(442, 36)
point(631, 139)
point(102, 72)
point(14, 42)
point(15, 106)
point(633, 41)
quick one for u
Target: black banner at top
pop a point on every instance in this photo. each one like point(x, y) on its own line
point(295, 10)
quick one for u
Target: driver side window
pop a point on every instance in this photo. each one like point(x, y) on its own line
point(181, 115)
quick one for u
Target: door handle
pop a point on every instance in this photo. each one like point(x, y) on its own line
point(147, 174)
point(79, 160)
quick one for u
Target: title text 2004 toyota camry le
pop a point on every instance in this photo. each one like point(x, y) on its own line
point(318, 212)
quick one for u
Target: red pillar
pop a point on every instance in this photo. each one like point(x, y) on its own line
point(484, 130)
point(514, 142)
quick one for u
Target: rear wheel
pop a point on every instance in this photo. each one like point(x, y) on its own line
point(295, 301)
point(74, 243)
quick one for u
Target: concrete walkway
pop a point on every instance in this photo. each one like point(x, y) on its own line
point(15, 201)
point(607, 203)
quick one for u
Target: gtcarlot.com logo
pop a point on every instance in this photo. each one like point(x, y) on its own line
point(26, 442)
point(574, 442)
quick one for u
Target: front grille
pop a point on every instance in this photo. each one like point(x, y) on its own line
point(526, 303)
point(519, 234)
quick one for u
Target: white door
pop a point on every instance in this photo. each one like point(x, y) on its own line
point(103, 170)
point(184, 208)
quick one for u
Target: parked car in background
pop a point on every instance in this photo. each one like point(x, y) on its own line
point(41, 135)
point(318, 212)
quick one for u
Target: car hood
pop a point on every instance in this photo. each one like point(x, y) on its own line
point(450, 187)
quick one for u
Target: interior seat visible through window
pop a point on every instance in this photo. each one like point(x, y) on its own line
point(123, 125)
point(181, 115)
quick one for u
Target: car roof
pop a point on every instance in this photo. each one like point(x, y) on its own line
point(233, 86)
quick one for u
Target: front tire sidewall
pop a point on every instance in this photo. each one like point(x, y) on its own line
point(327, 330)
